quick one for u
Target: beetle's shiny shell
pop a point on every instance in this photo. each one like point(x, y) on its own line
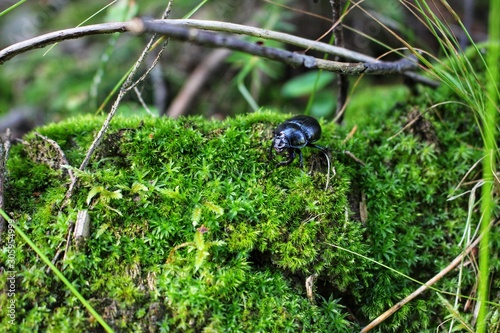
point(296, 132)
point(307, 125)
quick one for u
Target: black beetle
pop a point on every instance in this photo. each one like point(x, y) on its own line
point(294, 134)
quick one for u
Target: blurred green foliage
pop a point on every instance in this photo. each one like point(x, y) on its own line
point(75, 77)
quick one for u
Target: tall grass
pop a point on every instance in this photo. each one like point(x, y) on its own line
point(482, 97)
point(14, 6)
point(456, 71)
point(489, 165)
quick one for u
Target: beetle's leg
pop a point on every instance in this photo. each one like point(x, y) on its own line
point(318, 147)
point(291, 157)
point(301, 161)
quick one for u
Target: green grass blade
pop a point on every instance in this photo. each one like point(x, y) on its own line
point(489, 164)
point(195, 9)
point(57, 272)
point(14, 6)
point(82, 23)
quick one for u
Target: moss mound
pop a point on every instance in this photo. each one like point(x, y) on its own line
point(193, 230)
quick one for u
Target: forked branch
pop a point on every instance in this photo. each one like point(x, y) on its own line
point(188, 30)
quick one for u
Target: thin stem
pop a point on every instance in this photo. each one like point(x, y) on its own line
point(57, 272)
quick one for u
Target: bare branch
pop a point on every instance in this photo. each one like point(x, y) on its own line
point(272, 35)
point(62, 157)
point(195, 81)
point(294, 59)
point(291, 58)
point(342, 81)
point(399, 66)
point(126, 87)
point(57, 36)
point(219, 40)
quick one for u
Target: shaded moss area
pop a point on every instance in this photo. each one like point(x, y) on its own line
point(193, 230)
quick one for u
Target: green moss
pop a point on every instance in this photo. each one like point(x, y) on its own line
point(194, 230)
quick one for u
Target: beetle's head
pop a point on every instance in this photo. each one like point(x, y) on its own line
point(280, 142)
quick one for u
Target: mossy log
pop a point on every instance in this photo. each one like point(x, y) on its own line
point(193, 229)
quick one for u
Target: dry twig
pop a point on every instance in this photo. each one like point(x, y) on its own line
point(310, 287)
point(369, 66)
point(425, 286)
point(211, 39)
point(342, 81)
point(62, 157)
point(126, 87)
point(195, 82)
point(58, 36)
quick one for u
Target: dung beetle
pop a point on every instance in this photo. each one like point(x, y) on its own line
point(294, 134)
